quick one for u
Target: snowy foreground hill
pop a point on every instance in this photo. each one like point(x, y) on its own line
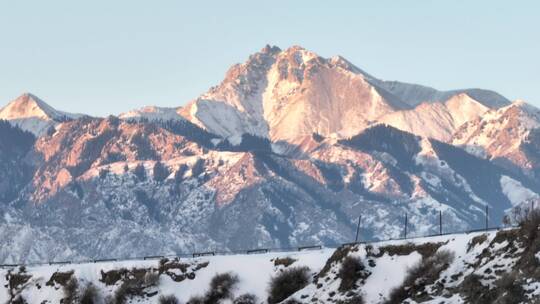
point(482, 267)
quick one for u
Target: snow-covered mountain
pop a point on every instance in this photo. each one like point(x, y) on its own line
point(289, 94)
point(153, 113)
point(148, 189)
point(509, 136)
point(32, 114)
point(438, 120)
point(287, 151)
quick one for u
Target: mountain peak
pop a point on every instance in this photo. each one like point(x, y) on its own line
point(25, 106)
point(30, 113)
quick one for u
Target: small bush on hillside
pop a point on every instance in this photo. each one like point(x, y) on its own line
point(418, 276)
point(196, 300)
point(287, 282)
point(354, 300)
point(121, 294)
point(170, 299)
point(221, 287)
point(60, 278)
point(509, 289)
point(351, 271)
point(70, 291)
point(338, 256)
point(245, 299)
point(477, 240)
point(89, 295)
point(473, 291)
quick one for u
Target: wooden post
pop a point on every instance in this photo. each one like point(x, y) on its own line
point(487, 217)
point(406, 220)
point(440, 222)
point(358, 229)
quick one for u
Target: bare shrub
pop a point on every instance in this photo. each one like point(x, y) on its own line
point(425, 272)
point(170, 299)
point(121, 294)
point(338, 255)
point(70, 291)
point(352, 269)
point(509, 289)
point(221, 287)
point(89, 295)
point(196, 300)
point(477, 240)
point(354, 300)
point(287, 282)
point(246, 298)
point(59, 278)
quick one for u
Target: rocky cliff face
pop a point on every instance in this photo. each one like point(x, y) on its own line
point(289, 94)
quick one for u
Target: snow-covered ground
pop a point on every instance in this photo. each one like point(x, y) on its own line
point(386, 263)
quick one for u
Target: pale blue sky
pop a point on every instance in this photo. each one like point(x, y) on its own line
point(101, 57)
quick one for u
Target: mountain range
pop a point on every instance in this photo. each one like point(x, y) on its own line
point(288, 150)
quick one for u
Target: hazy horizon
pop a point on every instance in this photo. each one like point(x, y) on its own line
point(105, 58)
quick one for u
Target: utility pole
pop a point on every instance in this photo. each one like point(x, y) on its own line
point(358, 229)
point(487, 217)
point(406, 220)
point(440, 222)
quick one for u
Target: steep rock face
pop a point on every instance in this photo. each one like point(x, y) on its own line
point(287, 95)
point(32, 114)
point(86, 144)
point(508, 136)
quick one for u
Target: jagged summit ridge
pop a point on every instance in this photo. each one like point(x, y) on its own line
point(292, 93)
